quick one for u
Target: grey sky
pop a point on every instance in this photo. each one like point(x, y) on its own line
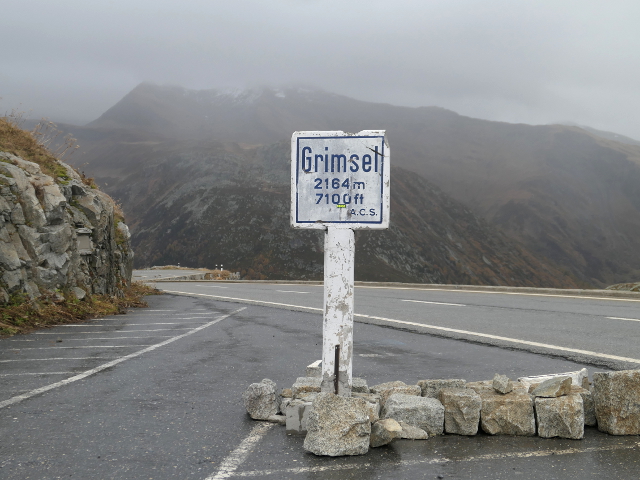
point(512, 60)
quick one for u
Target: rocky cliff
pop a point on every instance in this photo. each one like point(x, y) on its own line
point(58, 234)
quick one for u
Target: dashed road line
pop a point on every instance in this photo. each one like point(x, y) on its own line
point(98, 338)
point(436, 303)
point(117, 331)
point(289, 291)
point(93, 371)
point(50, 359)
point(625, 319)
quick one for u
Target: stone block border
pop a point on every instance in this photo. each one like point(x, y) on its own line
point(554, 405)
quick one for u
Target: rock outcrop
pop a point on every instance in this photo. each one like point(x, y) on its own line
point(58, 234)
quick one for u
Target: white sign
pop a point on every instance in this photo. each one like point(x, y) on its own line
point(340, 179)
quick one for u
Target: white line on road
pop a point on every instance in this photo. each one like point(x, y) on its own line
point(42, 373)
point(116, 331)
point(285, 472)
point(625, 319)
point(584, 297)
point(234, 459)
point(123, 320)
point(430, 327)
point(127, 325)
point(436, 303)
point(110, 364)
point(58, 358)
point(97, 338)
point(289, 291)
point(77, 346)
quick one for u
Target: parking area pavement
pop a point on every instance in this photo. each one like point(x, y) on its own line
point(157, 395)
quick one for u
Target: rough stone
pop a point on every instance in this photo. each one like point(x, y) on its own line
point(261, 400)
point(422, 412)
point(560, 416)
point(373, 404)
point(297, 415)
point(431, 388)
point(314, 369)
point(40, 223)
point(338, 426)
point(486, 386)
point(461, 410)
point(305, 385)
point(554, 387)
point(588, 404)
point(79, 293)
point(617, 401)
point(386, 386)
point(359, 385)
point(279, 419)
point(404, 390)
point(411, 432)
point(383, 431)
point(284, 402)
point(286, 393)
point(510, 414)
point(502, 384)
point(579, 378)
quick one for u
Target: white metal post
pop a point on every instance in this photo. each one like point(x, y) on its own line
point(337, 338)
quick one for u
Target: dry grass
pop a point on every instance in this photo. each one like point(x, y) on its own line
point(23, 316)
point(32, 146)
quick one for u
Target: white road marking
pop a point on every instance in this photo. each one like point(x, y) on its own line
point(584, 297)
point(78, 346)
point(625, 319)
point(116, 331)
point(97, 338)
point(234, 459)
point(58, 358)
point(124, 320)
point(431, 327)
point(43, 373)
point(75, 378)
point(78, 325)
point(128, 325)
point(289, 291)
point(436, 303)
point(285, 472)
point(505, 339)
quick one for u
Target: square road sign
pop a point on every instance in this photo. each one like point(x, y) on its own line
point(340, 179)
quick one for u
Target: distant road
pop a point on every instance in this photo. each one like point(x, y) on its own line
point(598, 331)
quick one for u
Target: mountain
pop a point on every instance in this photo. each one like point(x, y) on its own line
point(201, 203)
point(570, 196)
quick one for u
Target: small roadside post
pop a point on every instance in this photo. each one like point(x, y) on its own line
point(339, 183)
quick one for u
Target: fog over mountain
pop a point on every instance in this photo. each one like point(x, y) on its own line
point(569, 196)
point(534, 62)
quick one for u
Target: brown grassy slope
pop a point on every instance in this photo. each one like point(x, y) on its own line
point(48, 311)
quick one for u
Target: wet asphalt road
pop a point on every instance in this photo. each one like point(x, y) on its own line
point(603, 332)
point(174, 411)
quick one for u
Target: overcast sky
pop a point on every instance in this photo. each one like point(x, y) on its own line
point(512, 60)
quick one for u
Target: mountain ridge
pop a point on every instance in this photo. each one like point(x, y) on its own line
point(566, 194)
